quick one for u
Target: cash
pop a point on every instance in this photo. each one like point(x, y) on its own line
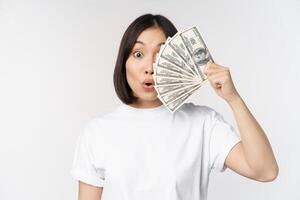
point(178, 69)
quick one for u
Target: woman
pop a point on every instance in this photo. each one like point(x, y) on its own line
point(142, 151)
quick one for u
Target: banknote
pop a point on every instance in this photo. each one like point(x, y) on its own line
point(174, 89)
point(178, 67)
point(196, 47)
point(183, 69)
point(178, 45)
point(176, 102)
point(172, 56)
point(167, 98)
point(173, 106)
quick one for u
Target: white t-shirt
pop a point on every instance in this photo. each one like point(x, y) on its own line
point(151, 154)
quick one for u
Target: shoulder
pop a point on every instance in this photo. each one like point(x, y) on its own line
point(93, 125)
point(100, 122)
point(100, 118)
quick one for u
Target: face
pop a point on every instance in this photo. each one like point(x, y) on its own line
point(139, 67)
point(200, 56)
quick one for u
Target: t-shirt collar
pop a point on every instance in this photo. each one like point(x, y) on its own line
point(135, 110)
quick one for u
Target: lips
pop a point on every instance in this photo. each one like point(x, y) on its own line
point(148, 85)
point(148, 82)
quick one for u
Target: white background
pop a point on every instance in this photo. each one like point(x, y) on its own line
point(56, 67)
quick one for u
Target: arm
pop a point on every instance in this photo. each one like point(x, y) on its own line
point(255, 147)
point(89, 192)
point(253, 156)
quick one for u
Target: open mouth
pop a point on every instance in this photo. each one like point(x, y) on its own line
point(148, 86)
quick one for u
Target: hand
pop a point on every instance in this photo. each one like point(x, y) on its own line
point(220, 79)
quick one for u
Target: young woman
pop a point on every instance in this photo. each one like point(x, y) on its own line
point(142, 151)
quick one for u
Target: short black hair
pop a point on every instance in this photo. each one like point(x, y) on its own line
point(129, 38)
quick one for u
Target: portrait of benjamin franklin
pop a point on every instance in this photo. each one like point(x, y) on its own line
point(201, 56)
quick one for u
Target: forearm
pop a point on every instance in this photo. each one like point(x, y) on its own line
point(257, 149)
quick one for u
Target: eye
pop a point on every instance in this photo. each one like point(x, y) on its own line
point(137, 54)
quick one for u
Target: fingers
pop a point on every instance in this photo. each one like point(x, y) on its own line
point(216, 74)
point(218, 79)
point(212, 68)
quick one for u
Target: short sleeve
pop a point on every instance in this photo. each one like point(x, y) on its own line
point(83, 167)
point(223, 138)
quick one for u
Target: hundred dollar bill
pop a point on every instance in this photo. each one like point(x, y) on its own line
point(165, 80)
point(173, 89)
point(157, 85)
point(161, 90)
point(176, 102)
point(161, 70)
point(174, 95)
point(174, 67)
point(165, 89)
point(197, 48)
point(182, 94)
point(178, 45)
point(167, 52)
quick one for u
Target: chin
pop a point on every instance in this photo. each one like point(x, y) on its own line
point(148, 97)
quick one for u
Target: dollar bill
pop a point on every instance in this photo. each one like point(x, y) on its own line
point(175, 89)
point(174, 95)
point(169, 88)
point(161, 70)
point(164, 80)
point(176, 102)
point(178, 45)
point(178, 68)
point(174, 67)
point(169, 54)
point(173, 83)
point(197, 48)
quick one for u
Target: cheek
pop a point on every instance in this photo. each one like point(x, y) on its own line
point(131, 72)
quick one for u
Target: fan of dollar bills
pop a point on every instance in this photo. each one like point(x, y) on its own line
point(178, 69)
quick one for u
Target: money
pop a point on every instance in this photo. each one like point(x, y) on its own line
point(172, 56)
point(178, 45)
point(175, 89)
point(178, 69)
point(162, 62)
point(176, 94)
point(197, 48)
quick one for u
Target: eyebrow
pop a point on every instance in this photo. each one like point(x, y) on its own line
point(140, 42)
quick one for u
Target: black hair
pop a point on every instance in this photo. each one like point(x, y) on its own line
point(129, 38)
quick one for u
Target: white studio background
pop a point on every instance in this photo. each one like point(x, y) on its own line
point(56, 65)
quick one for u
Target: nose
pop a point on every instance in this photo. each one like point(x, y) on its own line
point(149, 71)
point(149, 66)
